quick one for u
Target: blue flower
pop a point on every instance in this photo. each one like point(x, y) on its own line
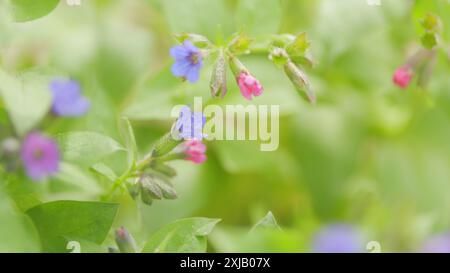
point(190, 124)
point(67, 99)
point(338, 238)
point(188, 61)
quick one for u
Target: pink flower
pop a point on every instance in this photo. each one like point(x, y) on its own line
point(195, 151)
point(402, 76)
point(40, 156)
point(249, 85)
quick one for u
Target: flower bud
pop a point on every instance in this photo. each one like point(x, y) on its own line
point(149, 187)
point(248, 84)
point(218, 82)
point(125, 241)
point(300, 81)
point(402, 77)
point(155, 187)
point(195, 151)
point(133, 190)
point(165, 169)
point(167, 189)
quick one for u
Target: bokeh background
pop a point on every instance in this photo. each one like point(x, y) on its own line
point(369, 154)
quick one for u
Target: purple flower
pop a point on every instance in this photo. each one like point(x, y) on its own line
point(67, 99)
point(437, 244)
point(190, 124)
point(40, 156)
point(188, 61)
point(338, 238)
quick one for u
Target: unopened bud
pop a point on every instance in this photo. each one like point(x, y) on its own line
point(300, 81)
point(133, 190)
point(164, 169)
point(155, 187)
point(167, 189)
point(218, 82)
point(149, 187)
point(125, 241)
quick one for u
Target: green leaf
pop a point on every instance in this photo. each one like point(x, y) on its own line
point(17, 233)
point(105, 171)
point(76, 177)
point(268, 222)
point(27, 99)
point(430, 22)
point(86, 148)
point(299, 46)
point(56, 221)
point(240, 44)
point(130, 141)
point(182, 236)
point(259, 17)
point(26, 10)
point(198, 40)
point(429, 40)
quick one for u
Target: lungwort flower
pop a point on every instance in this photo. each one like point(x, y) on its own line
point(67, 98)
point(195, 151)
point(190, 124)
point(402, 77)
point(40, 156)
point(249, 85)
point(188, 61)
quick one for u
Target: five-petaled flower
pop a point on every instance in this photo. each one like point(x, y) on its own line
point(402, 76)
point(40, 156)
point(188, 61)
point(190, 124)
point(67, 98)
point(195, 151)
point(249, 85)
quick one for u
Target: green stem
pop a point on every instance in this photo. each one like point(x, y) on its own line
point(141, 165)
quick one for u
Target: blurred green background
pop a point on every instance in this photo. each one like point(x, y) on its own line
point(368, 153)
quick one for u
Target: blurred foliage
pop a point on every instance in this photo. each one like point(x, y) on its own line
point(368, 153)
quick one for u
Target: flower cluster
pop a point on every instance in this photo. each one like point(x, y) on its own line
point(290, 52)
